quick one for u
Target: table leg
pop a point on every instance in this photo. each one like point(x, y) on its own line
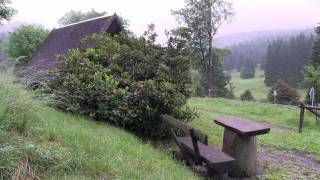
point(244, 150)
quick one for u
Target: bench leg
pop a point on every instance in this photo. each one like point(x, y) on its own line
point(244, 150)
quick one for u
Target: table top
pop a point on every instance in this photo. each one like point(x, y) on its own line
point(243, 127)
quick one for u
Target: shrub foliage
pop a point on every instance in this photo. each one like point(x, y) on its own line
point(286, 94)
point(127, 81)
point(247, 96)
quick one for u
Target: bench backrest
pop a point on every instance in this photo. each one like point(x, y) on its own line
point(185, 128)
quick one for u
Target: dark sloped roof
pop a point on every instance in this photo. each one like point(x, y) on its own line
point(60, 40)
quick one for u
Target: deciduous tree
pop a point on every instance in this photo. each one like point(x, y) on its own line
point(202, 19)
point(24, 42)
point(76, 16)
point(6, 12)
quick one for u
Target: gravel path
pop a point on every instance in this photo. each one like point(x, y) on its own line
point(299, 165)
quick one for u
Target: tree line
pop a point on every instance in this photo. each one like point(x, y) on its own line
point(285, 59)
point(312, 69)
point(239, 53)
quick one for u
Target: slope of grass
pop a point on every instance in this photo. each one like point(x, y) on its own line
point(255, 85)
point(280, 116)
point(39, 142)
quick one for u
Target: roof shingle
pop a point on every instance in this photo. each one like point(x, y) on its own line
point(60, 40)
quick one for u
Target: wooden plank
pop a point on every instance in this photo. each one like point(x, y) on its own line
point(243, 127)
point(312, 107)
point(301, 118)
point(182, 149)
point(314, 112)
point(195, 146)
point(215, 159)
point(174, 123)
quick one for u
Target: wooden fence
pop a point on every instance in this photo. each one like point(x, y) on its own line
point(312, 109)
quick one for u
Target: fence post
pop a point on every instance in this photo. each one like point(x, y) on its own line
point(301, 117)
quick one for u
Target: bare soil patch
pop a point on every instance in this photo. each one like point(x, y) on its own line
point(299, 165)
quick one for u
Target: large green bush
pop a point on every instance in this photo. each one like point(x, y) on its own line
point(126, 81)
point(246, 96)
point(286, 94)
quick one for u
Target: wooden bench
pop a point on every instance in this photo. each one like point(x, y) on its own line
point(195, 149)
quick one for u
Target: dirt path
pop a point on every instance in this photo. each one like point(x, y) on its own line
point(298, 165)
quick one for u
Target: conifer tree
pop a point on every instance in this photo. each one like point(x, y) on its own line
point(286, 58)
point(248, 69)
point(312, 70)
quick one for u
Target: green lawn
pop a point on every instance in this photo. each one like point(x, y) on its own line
point(39, 142)
point(255, 85)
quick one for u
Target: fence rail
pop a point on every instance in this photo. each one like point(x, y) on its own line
point(312, 109)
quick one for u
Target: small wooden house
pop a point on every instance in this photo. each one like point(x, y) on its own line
point(60, 40)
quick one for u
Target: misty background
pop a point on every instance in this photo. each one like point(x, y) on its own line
point(253, 19)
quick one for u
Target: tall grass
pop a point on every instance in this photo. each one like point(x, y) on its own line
point(20, 157)
point(39, 142)
point(15, 104)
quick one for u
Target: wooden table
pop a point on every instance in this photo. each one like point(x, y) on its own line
point(239, 142)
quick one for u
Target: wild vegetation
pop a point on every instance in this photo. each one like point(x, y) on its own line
point(39, 142)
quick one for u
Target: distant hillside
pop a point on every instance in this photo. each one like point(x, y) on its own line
point(253, 45)
point(232, 39)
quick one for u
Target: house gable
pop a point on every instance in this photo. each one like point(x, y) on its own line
point(60, 40)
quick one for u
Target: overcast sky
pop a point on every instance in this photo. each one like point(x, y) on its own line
point(251, 15)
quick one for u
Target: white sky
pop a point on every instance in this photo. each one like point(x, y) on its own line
point(251, 15)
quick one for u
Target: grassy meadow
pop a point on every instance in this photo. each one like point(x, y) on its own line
point(40, 142)
point(255, 85)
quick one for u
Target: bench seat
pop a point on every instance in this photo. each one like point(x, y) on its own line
point(214, 159)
